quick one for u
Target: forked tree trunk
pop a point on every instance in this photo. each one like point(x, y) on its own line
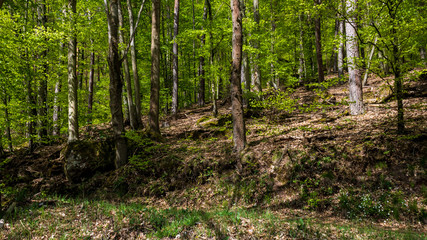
point(355, 80)
point(155, 69)
point(239, 131)
point(175, 59)
point(130, 105)
point(136, 83)
point(73, 123)
point(116, 86)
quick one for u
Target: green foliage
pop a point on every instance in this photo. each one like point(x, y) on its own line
point(275, 100)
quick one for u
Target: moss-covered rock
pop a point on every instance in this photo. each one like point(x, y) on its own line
point(82, 159)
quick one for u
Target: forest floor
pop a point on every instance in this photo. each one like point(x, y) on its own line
point(310, 171)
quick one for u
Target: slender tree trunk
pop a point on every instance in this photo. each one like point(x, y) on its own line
point(371, 54)
point(131, 107)
point(334, 58)
point(341, 48)
point(155, 69)
point(56, 104)
point(201, 99)
point(175, 59)
point(6, 100)
point(56, 109)
point(256, 72)
point(302, 71)
point(42, 91)
point(423, 55)
point(274, 79)
point(246, 70)
point(73, 123)
point(91, 83)
point(318, 36)
point(239, 131)
point(355, 81)
point(116, 86)
point(136, 82)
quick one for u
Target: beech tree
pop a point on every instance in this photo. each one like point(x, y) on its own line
point(175, 59)
point(239, 130)
point(73, 120)
point(116, 85)
point(354, 78)
point(155, 69)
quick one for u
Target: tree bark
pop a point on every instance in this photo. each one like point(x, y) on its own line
point(155, 69)
point(239, 131)
point(355, 81)
point(341, 47)
point(202, 80)
point(129, 95)
point(116, 86)
point(91, 83)
point(136, 82)
point(318, 37)
point(175, 59)
point(42, 91)
point(6, 100)
point(73, 123)
point(256, 72)
point(365, 77)
point(56, 104)
point(302, 71)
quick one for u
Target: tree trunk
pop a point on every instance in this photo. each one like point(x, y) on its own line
point(56, 104)
point(73, 123)
point(365, 78)
point(239, 131)
point(42, 91)
point(256, 73)
point(91, 83)
point(274, 79)
point(201, 99)
point(130, 105)
point(302, 71)
point(341, 47)
point(136, 82)
point(175, 59)
point(355, 81)
point(318, 37)
point(116, 86)
point(155, 69)
point(6, 100)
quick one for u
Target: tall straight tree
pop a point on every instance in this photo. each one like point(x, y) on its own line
point(239, 131)
point(354, 78)
point(175, 59)
point(73, 120)
point(116, 86)
point(134, 64)
point(42, 91)
point(202, 61)
point(318, 36)
point(153, 116)
point(341, 33)
point(256, 73)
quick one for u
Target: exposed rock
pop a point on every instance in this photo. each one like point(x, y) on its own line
point(83, 159)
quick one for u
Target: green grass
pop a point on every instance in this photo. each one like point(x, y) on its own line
point(64, 218)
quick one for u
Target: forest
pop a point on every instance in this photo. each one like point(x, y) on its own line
point(213, 119)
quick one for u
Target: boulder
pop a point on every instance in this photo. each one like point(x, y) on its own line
point(82, 159)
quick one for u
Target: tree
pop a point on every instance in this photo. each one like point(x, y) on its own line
point(116, 86)
point(354, 78)
point(256, 73)
point(318, 36)
point(175, 59)
point(131, 107)
point(239, 131)
point(73, 119)
point(134, 63)
point(155, 69)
